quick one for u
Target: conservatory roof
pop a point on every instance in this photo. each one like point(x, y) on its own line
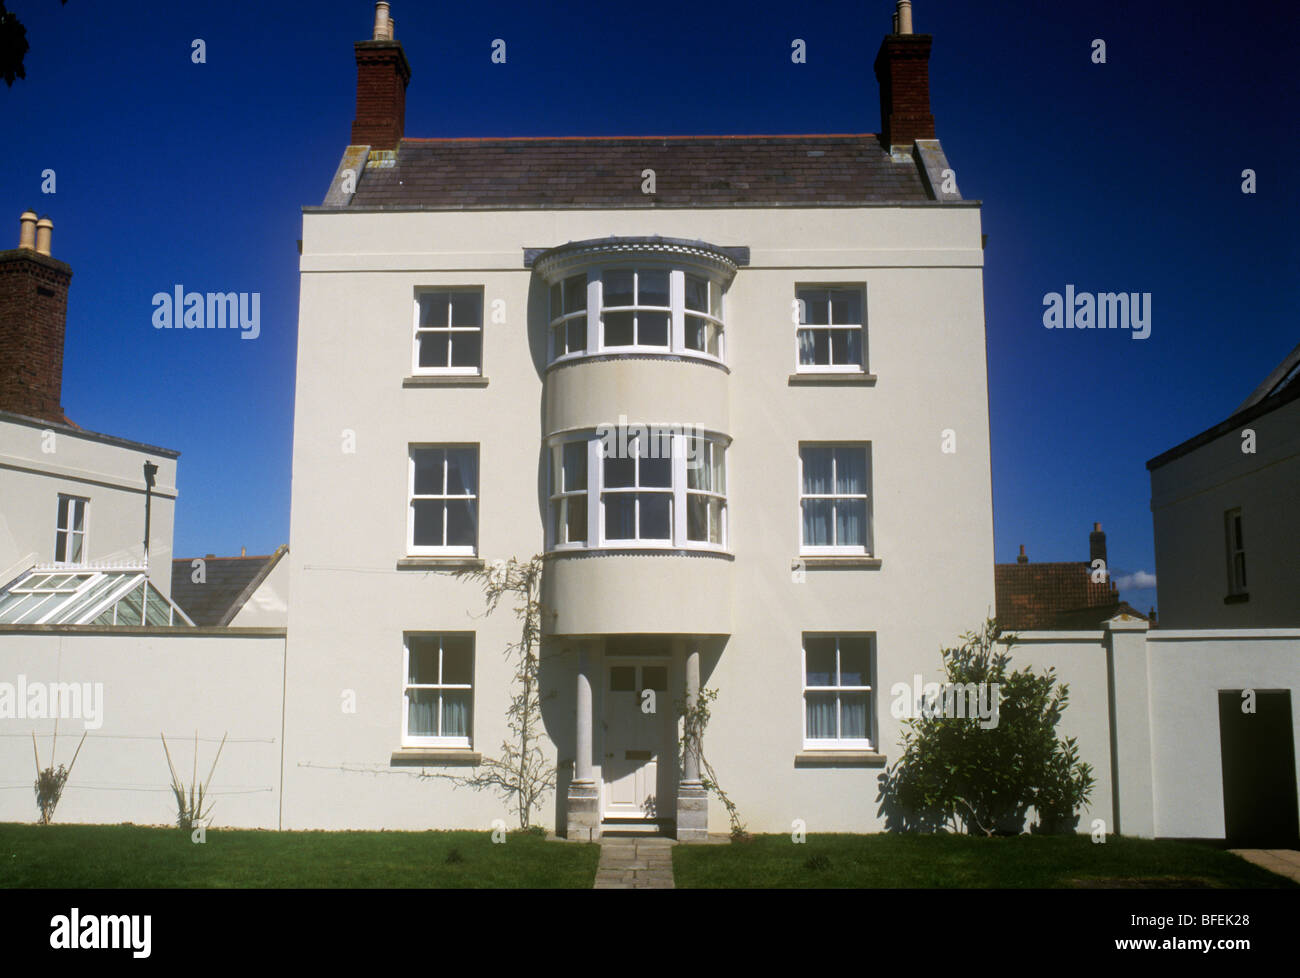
point(60, 594)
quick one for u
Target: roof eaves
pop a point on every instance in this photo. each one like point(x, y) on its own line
point(80, 432)
point(1256, 410)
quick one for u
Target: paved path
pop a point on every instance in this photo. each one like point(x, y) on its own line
point(1284, 862)
point(635, 864)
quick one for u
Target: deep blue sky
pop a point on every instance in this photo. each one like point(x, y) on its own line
point(1123, 176)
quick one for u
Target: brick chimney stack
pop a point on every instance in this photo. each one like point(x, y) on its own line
point(903, 72)
point(33, 311)
point(1096, 544)
point(382, 76)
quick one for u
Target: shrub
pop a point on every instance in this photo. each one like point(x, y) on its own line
point(957, 773)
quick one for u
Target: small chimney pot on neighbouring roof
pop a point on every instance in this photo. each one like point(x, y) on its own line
point(1096, 544)
point(1022, 559)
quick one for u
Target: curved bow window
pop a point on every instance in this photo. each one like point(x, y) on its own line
point(645, 486)
point(631, 308)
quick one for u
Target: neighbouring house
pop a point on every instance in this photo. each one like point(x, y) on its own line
point(70, 499)
point(1227, 523)
point(90, 640)
point(1059, 594)
point(237, 591)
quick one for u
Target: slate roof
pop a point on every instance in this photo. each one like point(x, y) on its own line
point(1054, 596)
point(605, 172)
point(229, 583)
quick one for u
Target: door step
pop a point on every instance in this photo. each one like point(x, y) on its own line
point(638, 827)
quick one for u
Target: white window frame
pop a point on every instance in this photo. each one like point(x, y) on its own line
point(838, 550)
point(557, 492)
point(636, 269)
point(838, 743)
point(554, 319)
point(410, 740)
point(675, 505)
point(411, 498)
point(832, 368)
point(1234, 528)
point(83, 533)
point(423, 293)
point(678, 492)
point(710, 446)
point(676, 309)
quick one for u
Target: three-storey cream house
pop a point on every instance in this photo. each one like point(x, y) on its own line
point(733, 388)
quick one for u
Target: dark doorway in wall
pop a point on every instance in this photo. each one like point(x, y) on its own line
point(1259, 780)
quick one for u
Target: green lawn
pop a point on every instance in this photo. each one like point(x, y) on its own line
point(89, 856)
point(949, 861)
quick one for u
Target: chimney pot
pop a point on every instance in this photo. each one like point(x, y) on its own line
point(1022, 559)
point(44, 232)
point(382, 30)
point(243, 551)
point(903, 17)
point(27, 230)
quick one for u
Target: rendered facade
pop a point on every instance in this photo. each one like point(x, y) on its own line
point(718, 408)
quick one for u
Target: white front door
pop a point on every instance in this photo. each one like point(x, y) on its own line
point(638, 709)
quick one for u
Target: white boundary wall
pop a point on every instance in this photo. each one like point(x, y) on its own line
point(213, 681)
point(1144, 706)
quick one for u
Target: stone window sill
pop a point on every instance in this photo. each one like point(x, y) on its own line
point(440, 563)
point(839, 758)
point(1241, 598)
point(445, 380)
point(440, 756)
point(829, 379)
point(837, 563)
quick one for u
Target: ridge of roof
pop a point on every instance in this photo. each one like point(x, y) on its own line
point(782, 135)
point(1265, 389)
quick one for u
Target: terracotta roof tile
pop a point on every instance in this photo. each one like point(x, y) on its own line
point(1052, 595)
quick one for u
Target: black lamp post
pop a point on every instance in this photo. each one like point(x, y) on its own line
point(150, 470)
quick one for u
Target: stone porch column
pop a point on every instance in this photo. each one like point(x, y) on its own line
point(692, 799)
point(583, 803)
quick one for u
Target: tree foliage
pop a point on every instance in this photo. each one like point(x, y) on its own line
point(13, 45)
point(955, 773)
